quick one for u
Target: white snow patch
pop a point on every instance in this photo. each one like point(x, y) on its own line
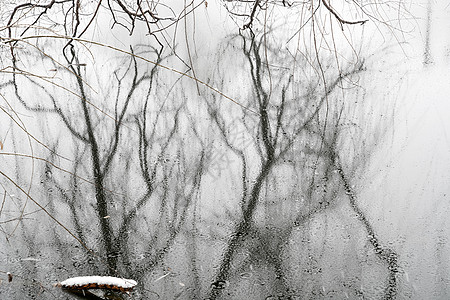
point(99, 280)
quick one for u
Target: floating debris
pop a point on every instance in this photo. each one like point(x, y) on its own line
point(30, 259)
point(219, 284)
point(158, 279)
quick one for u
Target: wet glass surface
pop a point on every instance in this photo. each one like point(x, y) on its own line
point(242, 150)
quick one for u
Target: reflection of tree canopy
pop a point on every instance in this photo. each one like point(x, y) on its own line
point(160, 180)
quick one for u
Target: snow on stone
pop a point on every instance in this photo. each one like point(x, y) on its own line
point(99, 281)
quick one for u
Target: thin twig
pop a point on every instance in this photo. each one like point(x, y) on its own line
point(341, 20)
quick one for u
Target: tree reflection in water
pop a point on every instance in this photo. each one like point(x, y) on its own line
point(240, 185)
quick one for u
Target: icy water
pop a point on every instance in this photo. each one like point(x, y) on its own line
point(277, 175)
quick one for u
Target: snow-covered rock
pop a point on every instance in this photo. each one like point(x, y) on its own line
point(98, 282)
